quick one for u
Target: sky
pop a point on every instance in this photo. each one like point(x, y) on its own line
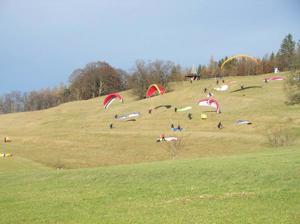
point(43, 41)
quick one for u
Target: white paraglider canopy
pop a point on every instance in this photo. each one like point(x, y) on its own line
point(222, 88)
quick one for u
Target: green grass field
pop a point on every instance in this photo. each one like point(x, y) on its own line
point(261, 187)
point(122, 175)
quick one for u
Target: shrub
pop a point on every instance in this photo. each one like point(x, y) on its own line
point(58, 164)
point(174, 147)
point(278, 137)
point(292, 88)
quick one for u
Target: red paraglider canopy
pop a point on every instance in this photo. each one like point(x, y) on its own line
point(154, 88)
point(110, 98)
point(275, 78)
point(209, 102)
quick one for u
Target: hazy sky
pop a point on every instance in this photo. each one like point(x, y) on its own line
point(43, 41)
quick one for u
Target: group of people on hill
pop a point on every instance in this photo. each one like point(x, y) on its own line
point(178, 128)
point(217, 82)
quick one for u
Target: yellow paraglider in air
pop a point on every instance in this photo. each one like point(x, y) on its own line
point(238, 56)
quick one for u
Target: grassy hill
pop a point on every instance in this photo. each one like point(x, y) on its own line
point(77, 134)
point(231, 175)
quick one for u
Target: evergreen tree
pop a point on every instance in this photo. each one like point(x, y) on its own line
point(287, 53)
point(297, 57)
point(272, 62)
point(199, 70)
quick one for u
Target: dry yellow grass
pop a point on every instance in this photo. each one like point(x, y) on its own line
point(76, 134)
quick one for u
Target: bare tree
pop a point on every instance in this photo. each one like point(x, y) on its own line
point(145, 74)
point(12, 102)
point(95, 79)
point(176, 74)
point(139, 81)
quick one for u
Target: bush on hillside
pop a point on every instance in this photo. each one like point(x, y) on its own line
point(278, 137)
point(174, 147)
point(292, 88)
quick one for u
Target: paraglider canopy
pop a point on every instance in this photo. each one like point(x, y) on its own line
point(184, 109)
point(222, 88)
point(203, 116)
point(238, 56)
point(167, 139)
point(155, 88)
point(275, 78)
point(110, 98)
point(240, 122)
point(210, 102)
point(245, 88)
point(161, 106)
point(129, 116)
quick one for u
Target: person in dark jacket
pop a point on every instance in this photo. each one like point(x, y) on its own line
point(179, 128)
point(220, 126)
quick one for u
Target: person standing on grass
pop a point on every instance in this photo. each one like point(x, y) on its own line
point(220, 126)
point(179, 128)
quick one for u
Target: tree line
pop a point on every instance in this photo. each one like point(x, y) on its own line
point(287, 58)
point(100, 78)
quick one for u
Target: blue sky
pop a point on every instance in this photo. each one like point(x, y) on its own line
point(42, 42)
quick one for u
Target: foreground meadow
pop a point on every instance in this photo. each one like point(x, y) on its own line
point(250, 188)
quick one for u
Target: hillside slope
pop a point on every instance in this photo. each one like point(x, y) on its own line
point(76, 134)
